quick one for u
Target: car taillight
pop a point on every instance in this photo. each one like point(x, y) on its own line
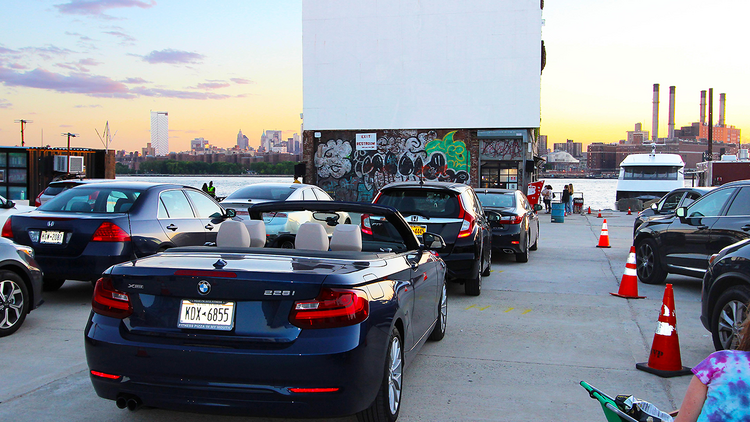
point(511, 219)
point(366, 224)
point(110, 232)
point(332, 308)
point(7, 231)
point(38, 200)
point(110, 302)
point(467, 227)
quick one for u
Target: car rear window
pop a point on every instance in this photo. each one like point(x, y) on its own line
point(93, 200)
point(425, 202)
point(275, 193)
point(497, 199)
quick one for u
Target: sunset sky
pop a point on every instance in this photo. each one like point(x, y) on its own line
point(218, 67)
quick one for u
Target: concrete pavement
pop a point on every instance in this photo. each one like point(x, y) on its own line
point(517, 352)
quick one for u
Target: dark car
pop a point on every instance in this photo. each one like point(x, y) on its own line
point(726, 292)
point(680, 197)
point(514, 222)
point(20, 285)
point(682, 244)
point(453, 211)
point(59, 186)
point(84, 230)
point(305, 332)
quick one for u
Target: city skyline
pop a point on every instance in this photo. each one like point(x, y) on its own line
point(71, 65)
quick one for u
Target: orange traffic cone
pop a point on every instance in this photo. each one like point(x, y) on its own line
point(629, 213)
point(604, 237)
point(664, 359)
point(589, 210)
point(629, 282)
point(600, 214)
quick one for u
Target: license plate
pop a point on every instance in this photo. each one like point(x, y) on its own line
point(419, 230)
point(52, 237)
point(206, 315)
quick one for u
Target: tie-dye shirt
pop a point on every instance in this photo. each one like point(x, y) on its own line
point(727, 375)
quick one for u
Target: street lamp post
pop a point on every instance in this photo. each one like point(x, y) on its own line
point(69, 135)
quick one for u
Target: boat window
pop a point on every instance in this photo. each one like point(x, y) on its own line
point(650, 173)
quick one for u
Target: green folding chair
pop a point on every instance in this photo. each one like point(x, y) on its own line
point(611, 411)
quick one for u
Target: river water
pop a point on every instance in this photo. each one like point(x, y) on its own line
point(597, 193)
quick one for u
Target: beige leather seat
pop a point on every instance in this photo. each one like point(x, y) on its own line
point(257, 230)
point(232, 234)
point(311, 236)
point(346, 237)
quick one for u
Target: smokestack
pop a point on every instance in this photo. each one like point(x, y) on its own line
point(655, 117)
point(710, 124)
point(722, 105)
point(670, 130)
point(703, 107)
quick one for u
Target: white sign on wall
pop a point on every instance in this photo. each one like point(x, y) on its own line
point(367, 141)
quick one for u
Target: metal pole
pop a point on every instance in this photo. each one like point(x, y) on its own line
point(710, 125)
point(67, 165)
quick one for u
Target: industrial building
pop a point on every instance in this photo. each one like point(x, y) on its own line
point(420, 89)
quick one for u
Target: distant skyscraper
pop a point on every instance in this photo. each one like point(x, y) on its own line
point(242, 142)
point(160, 132)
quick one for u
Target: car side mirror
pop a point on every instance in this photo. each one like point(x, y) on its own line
point(230, 213)
point(654, 207)
point(9, 204)
point(432, 241)
point(681, 212)
point(537, 207)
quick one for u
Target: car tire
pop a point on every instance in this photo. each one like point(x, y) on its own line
point(535, 246)
point(14, 302)
point(286, 244)
point(524, 256)
point(438, 332)
point(729, 312)
point(387, 404)
point(488, 270)
point(473, 287)
point(648, 262)
point(52, 284)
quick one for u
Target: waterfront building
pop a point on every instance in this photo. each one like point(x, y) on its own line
point(198, 145)
point(638, 136)
point(573, 148)
point(160, 132)
point(243, 142)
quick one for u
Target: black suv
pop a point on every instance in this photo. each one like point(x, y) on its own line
point(680, 197)
point(726, 292)
point(453, 211)
point(682, 244)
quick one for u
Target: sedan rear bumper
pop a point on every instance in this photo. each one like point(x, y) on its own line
point(89, 265)
point(250, 379)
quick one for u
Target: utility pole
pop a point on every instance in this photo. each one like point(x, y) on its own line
point(23, 123)
point(69, 135)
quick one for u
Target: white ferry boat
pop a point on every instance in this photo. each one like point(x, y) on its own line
point(649, 176)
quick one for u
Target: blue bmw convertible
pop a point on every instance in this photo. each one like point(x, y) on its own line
point(322, 330)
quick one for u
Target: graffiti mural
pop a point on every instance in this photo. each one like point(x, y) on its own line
point(351, 175)
point(504, 149)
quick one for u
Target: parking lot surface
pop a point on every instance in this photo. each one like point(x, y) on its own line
point(517, 352)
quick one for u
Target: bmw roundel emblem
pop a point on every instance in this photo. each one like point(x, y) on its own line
point(204, 287)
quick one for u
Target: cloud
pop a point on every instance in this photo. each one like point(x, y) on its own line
point(88, 106)
point(47, 52)
point(185, 95)
point(4, 50)
point(80, 65)
point(17, 66)
point(241, 81)
point(125, 38)
point(173, 57)
point(213, 85)
point(135, 81)
point(79, 83)
point(4, 103)
point(66, 125)
point(98, 8)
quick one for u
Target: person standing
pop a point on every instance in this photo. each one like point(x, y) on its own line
point(547, 198)
point(211, 189)
point(204, 188)
point(566, 200)
point(720, 386)
point(570, 191)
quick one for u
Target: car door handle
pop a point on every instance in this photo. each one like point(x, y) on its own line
point(172, 227)
point(702, 227)
point(746, 227)
point(209, 226)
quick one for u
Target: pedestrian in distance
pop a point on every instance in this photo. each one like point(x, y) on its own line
point(547, 198)
point(570, 191)
point(204, 188)
point(720, 386)
point(211, 189)
point(566, 200)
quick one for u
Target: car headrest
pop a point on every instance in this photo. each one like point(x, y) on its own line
point(80, 206)
point(346, 237)
point(311, 236)
point(257, 230)
point(232, 234)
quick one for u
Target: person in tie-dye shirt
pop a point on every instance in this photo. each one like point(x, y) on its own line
point(720, 389)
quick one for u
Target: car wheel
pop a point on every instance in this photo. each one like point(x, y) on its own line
point(524, 256)
point(52, 284)
point(473, 287)
point(286, 244)
point(387, 404)
point(439, 331)
point(648, 263)
point(729, 312)
point(488, 270)
point(14, 302)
